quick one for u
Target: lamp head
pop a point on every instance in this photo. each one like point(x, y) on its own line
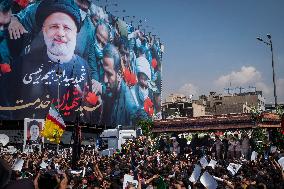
point(268, 36)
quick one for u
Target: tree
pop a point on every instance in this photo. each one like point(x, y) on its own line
point(256, 114)
point(280, 112)
point(260, 139)
point(146, 125)
point(278, 135)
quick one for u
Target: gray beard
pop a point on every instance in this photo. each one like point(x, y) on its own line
point(62, 52)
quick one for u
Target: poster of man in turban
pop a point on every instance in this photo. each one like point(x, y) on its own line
point(62, 54)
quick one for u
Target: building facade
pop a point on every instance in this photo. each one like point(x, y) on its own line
point(178, 105)
point(217, 104)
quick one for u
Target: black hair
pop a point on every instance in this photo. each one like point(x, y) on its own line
point(111, 52)
point(47, 181)
point(5, 5)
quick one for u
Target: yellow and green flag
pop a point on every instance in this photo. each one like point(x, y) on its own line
point(54, 126)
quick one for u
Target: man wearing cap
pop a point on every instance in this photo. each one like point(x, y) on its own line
point(53, 71)
point(141, 91)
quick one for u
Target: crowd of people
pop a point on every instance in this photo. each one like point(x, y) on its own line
point(74, 55)
point(165, 162)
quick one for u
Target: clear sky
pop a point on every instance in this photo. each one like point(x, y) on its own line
point(212, 43)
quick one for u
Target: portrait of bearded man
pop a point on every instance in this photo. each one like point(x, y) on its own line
point(54, 72)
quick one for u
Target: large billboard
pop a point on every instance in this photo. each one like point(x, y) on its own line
point(87, 63)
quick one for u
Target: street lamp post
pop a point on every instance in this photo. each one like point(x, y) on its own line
point(273, 72)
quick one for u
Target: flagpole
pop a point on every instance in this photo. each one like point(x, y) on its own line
point(76, 146)
point(76, 135)
point(58, 73)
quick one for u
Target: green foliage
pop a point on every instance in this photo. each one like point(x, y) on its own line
point(255, 112)
point(260, 139)
point(146, 125)
point(277, 138)
point(278, 135)
point(279, 110)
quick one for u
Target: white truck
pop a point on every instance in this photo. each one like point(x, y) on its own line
point(116, 137)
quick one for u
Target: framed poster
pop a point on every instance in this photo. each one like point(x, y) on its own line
point(32, 130)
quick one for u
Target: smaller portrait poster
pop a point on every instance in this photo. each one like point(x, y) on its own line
point(32, 130)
